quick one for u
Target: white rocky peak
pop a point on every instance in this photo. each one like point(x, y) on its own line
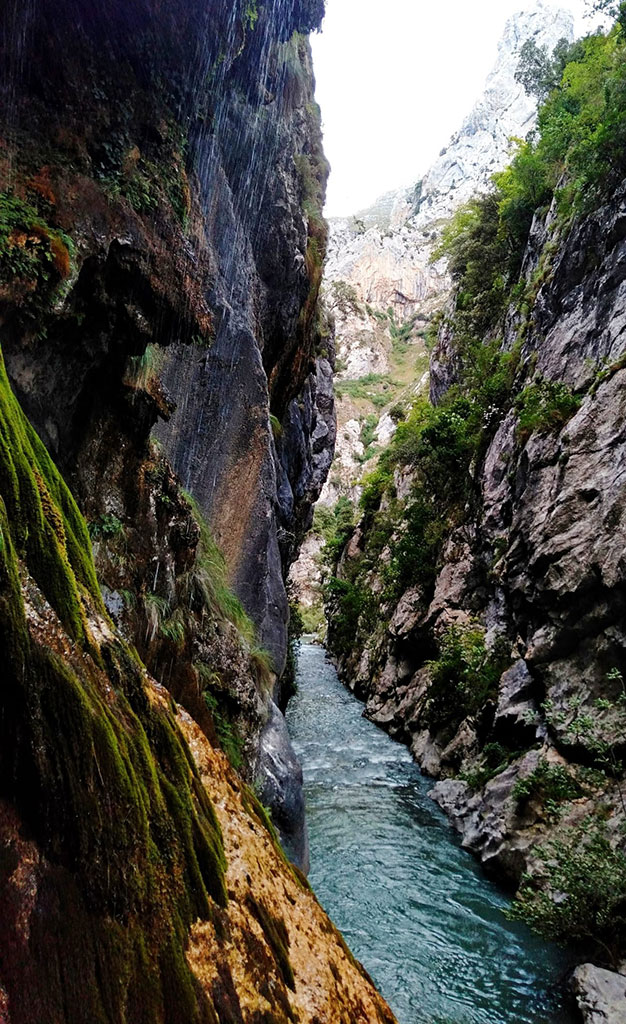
point(504, 111)
point(384, 251)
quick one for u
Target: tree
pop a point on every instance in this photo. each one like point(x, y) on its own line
point(583, 898)
point(539, 72)
point(343, 297)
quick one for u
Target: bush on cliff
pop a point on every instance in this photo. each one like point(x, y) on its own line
point(463, 677)
point(584, 898)
point(576, 156)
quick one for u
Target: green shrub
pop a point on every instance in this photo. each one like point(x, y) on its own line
point(277, 427)
point(415, 548)
point(463, 677)
point(552, 783)
point(251, 15)
point(106, 525)
point(494, 759)
point(323, 521)
point(368, 429)
point(343, 297)
point(545, 405)
point(584, 898)
point(337, 530)
point(227, 734)
point(313, 620)
point(349, 602)
point(362, 387)
point(34, 256)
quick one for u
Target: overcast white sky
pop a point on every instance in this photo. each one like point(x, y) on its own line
point(395, 80)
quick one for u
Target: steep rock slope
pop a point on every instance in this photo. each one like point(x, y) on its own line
point(485, 580)
point(145, 209)
point(383, 291)
point(384, 252)
point(139, 877)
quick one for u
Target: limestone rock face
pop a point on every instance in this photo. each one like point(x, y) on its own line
point(541, 562)
point(157, 157)
point(537, 560)
point(281, 777)
point(188, 311)
point(306, 573)
point(387, 267)
point(384, 252)
point(482, 145)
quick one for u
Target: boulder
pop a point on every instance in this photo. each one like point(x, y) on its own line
point(600, 995)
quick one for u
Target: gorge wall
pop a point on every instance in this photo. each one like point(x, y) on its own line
point(160, 230)
point(384, 291)
point(169, 195)
point(476, 604)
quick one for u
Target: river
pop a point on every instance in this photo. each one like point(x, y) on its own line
point(414, 907)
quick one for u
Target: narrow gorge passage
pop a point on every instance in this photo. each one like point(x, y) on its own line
point(414, 907)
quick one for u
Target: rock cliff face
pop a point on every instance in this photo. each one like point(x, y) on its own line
point(384, 252)
point(168, 192)
point(477, 607)
point(539, 561)
point(143, 208)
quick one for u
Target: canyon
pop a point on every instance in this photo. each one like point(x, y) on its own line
point(216, 409)
point(473, 568)
point(161, 245)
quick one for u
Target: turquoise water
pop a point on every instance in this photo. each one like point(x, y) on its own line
point(413, 906)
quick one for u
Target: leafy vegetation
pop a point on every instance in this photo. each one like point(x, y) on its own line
point(313, 619)
point(106, 525)
point(584, 898)
point(206, 585)
point(494, 759)
point(342, 297)
point(538, 71)
point(147, 179)
point(552, 784)
point(35, 258)
point(349, 601)
point(226, 731)
point(335, 526)
point(544, 405)
point(598, 727)
point(576, 156)
point(251, 15)
point(362, 387)
point(463, 677)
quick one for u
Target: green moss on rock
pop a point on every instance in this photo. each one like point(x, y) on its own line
point(45, 525)
point(277, 937)
point(97, 770)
